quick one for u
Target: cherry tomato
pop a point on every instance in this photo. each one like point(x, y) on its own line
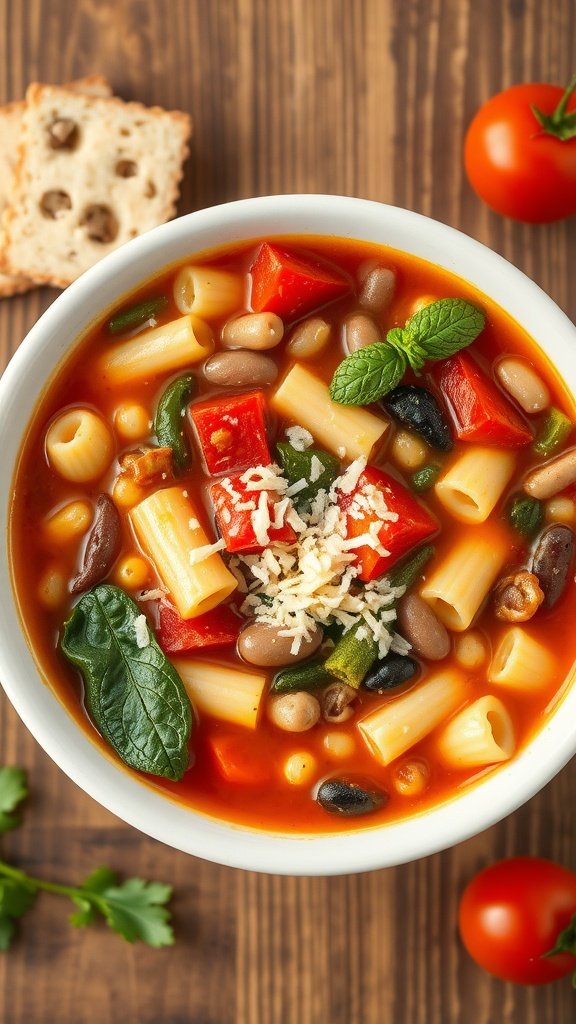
point(513, 912)
point(520, 152)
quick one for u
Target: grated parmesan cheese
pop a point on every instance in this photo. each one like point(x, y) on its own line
point(202, 553)
point(141, 631)
point(193, 523)
point(299, 438)
point(316, 469)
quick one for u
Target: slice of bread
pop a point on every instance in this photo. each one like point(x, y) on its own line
point(10, 127)
point(92, 174)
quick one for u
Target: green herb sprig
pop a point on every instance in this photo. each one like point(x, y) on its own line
point(435, 332)
point(135, 909)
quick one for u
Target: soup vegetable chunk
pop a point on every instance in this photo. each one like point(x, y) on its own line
point(293, 534)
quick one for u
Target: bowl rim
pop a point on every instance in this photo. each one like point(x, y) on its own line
point(465, 814)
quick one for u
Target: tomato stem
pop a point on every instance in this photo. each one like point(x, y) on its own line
point(560, 123)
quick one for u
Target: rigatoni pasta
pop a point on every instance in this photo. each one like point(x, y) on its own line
point(479, 735)
point(458, 587)
point(475, 482)
point(231, 695)
point(303, 398)
point(403, 721)
point(520, 663)
point(192, 570)
point(208, 292)
point(160, 350)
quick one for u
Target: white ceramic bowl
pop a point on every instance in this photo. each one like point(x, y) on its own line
point(33, 364)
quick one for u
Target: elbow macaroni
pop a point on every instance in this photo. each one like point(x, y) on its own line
point(79, 445)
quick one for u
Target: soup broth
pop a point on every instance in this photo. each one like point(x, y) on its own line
point(480, 640)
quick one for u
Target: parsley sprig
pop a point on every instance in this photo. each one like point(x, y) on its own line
point(135, 909)
point(437, 331)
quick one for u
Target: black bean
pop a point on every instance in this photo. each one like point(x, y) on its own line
point(393, 670)
point(417, 408)
point(344, 796)
point(102, 545)
point(551, 562)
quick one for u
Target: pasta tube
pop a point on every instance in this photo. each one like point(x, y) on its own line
point(405, 720)
point(168, 529)
point(230, 694)
point(79, 445)
point(208, 292)
point(481, 734)
point(171, 346)
point(473, 484)
point(456, 589)
point(520, 663)
point(303, 398)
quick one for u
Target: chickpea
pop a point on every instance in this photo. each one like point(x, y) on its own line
point(411, 777)
point(560, 510)
point(300, 768)
point(52, 588)
point(408, 451)
point(132, 422)
point(126, 493)
point(339, 745)
point(68, 523)
point(470, 649)
point(132, 572)
point(294, 712)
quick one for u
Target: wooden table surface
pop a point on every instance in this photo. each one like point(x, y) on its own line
point(360, 97)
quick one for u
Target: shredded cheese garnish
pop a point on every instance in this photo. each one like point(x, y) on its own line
point(202, 553)
point(299, 438)
point(141, 631)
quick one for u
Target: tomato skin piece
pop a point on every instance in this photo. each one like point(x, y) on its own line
point(235, 525)
point(290, 286)
point(478, 409)
point(232, 432)
point(235, 758)
point(413, 525)
point(513, 165)
point(511, 914)
point(215, 628)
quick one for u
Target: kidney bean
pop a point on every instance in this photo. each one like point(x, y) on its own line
point(102, 545)
point(552, 561)
point(350, 798)
point(418, 624)
point(240, 369)
point(553, 476)
point(259, 643)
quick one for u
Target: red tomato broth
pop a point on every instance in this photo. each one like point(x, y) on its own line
point(39, 491)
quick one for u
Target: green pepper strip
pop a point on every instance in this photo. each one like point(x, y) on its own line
point(135, 315)
point(168, 422)
point(352, 658)
point(552, 433)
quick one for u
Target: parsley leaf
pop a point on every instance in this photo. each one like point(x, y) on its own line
point(368, 374)
point(12, 792)
point(136, 910)
point(440, 330)
point(16, 898)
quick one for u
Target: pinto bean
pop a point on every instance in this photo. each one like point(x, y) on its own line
point(419, 625)
point(552, 561)
point(254, 331)
point(358, 331)
point(240, 368)
point(377, 289)
point(259, 643)
point(547, 480)
point(102, 546)
point(309, 337)
point(294, 712)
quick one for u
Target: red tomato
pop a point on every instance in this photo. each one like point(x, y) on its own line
point(512, 913)
point(520, 152)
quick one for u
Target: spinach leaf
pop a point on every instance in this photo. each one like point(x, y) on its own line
point(134, 695)
point(298, 466)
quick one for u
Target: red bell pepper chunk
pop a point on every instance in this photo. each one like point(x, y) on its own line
point(236, 523)
point(413, 523)
point(290, 286)
point(232, 432)
point(236, 758)
point(479, 410)
point(215, 628)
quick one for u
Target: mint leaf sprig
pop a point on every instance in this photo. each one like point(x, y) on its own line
point(135, 909)
point(435, 332)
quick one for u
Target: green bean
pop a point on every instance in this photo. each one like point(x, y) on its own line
point(552, 433)
point(169, 420)
point(425, 478)
point(302, 677)
point(131, 317)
